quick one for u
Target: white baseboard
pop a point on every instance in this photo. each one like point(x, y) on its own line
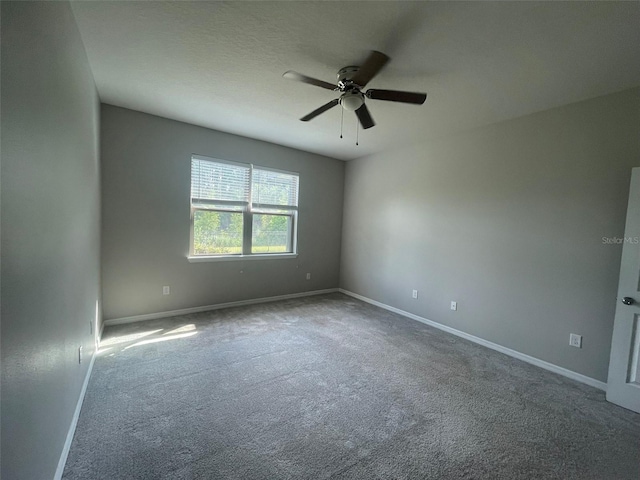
point(486, 343)
point(206, 308)
point(74, 422)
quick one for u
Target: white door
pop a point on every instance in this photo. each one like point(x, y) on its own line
point(623, 384)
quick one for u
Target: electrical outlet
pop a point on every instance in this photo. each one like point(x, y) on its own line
point(80, 354)
point(414, 294)
point(454, 305)
point(166, 290)
point(308, 276)
point(575, 340)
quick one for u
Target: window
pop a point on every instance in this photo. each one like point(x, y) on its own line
point(241, 209)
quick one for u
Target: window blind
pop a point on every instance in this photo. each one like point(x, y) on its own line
point(271, 187)
point(222, 181)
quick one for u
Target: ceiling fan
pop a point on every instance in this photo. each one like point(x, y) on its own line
point(351, 81)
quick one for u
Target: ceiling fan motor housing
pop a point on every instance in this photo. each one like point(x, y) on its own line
point(346, 74)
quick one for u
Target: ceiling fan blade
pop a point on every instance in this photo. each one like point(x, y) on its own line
point(372, 65)
point(320, 110)
point(397, 96)
point(291, 75)
point(365, 117)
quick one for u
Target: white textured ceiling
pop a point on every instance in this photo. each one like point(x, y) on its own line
point(220, 64)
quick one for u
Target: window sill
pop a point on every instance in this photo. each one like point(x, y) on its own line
point(231, 258)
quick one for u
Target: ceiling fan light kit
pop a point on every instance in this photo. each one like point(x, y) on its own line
point(351, 101)
point(351, 81)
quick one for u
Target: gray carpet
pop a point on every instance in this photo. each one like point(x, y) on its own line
point(330, 387)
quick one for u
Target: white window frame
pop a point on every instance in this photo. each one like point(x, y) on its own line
point(248, 208)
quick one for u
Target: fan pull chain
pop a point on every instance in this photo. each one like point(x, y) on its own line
point(357, 129)
point(341, 120)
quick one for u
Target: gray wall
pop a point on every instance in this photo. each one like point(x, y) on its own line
point(146, 163)
point(50, 231)
point(508, 221)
